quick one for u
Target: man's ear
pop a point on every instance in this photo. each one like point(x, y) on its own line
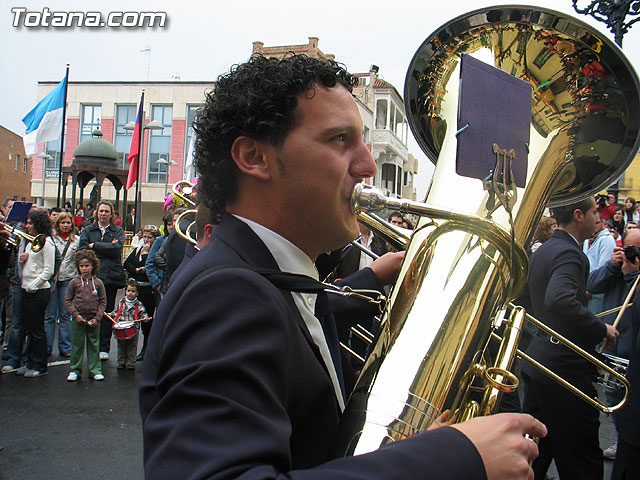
point(249, 156)
point(208, 230)
point(578, 215)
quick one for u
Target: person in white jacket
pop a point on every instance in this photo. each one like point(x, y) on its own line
point(36, 269)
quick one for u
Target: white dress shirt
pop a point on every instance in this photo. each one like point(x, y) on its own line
point(293, 260)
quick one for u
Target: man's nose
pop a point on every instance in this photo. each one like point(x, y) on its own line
point(363, 166)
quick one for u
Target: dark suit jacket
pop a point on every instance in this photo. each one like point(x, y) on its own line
point(129, 224)
point(628, 417)
point(557, 285)
point(610, 281)
point(233, 386)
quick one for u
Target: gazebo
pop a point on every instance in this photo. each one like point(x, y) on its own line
point(94, 158)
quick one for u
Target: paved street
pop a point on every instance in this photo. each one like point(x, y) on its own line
point(53, 429)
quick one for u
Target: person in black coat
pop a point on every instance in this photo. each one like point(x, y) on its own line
point(557, 285)
point(627, 463)
point(241, 378)
point(107, 241)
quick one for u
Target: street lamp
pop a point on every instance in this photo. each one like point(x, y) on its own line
point(613, 13)
point(153, 125)
point(168, 163)
point(45, 158)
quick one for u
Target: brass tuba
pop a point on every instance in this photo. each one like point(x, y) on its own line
point(465, 260)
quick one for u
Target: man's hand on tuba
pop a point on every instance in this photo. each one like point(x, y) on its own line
point(500, 440)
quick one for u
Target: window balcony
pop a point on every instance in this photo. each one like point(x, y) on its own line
point(383, 139)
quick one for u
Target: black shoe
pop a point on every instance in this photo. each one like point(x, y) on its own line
point(65, 354)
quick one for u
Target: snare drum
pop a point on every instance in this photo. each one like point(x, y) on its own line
point(618, 364)
point(124, 330)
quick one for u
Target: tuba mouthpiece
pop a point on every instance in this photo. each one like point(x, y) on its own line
point(366, 198)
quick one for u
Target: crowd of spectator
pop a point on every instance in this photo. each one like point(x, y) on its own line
point(40, 314)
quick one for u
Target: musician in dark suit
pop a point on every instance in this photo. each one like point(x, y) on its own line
point(627, 463)
point(557, 285)
point(241, 377)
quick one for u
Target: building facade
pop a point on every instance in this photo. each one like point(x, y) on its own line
point(15, 167)
point(109, 106)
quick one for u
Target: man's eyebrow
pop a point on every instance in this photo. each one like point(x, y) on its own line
point(341, 129)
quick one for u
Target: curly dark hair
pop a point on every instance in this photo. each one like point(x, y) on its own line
point(88, 255)
point(256, 99)
point(40, 221)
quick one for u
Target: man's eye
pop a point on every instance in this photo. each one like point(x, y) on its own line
point(341, 138)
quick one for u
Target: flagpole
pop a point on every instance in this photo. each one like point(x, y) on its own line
point(64, 116)
point(140, 146)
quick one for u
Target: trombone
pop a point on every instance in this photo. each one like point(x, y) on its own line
point(37, 241)
point(188, 234)
point(186, 192)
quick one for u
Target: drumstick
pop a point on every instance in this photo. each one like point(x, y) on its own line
point(626, 303)
point(112, 320)
point(145, 319)
point(611, 310)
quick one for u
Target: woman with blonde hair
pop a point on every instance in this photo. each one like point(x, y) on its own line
point(66, 243)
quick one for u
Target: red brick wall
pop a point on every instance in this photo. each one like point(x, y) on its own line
point(16, 184)
point(72, 139)
point(107, 130)
point(177, 150)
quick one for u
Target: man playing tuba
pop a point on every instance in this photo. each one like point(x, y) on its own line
point(241, 379)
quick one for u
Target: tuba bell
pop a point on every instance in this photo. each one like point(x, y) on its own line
point(465, 260)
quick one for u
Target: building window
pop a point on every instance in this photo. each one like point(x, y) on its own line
point(388, 177)
point(399, 181)
point(542, 58)
point(399, 124)
point(192, 110)
point(365, 135)
point(122, 140)
point(24, 165)
point(408, 179)
point(392, 123)
point(381, 114)
point(91, 119)
point(52, 147)
point(17, 164)
point(159, 143)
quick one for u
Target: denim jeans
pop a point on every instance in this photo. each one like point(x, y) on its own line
point(57, 314)
point(15, 356)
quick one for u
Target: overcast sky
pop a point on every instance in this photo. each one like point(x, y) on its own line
point(204, 38)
